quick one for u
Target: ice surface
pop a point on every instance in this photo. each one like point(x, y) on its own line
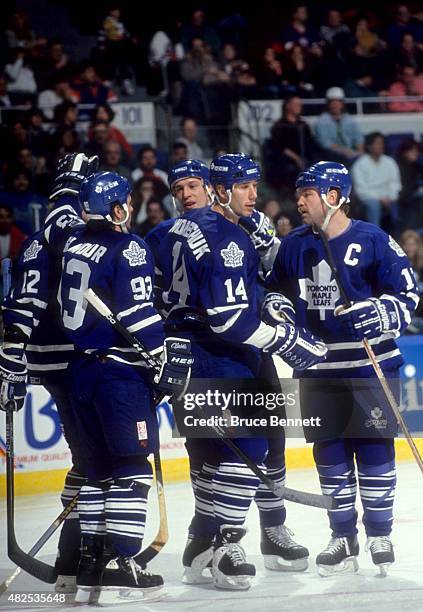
point(401, 591)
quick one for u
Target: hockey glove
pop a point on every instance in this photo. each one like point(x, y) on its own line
point(71, 171)
point(371, 318)
point(260, 229)
point(276, 309)
point(12, 371)
point(175, 372)
point(297, 347)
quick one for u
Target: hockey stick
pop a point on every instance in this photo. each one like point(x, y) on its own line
point(41, 541)
point(378, 370)
point(299, 497)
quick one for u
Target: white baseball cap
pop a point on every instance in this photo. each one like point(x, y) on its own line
point(335, 93)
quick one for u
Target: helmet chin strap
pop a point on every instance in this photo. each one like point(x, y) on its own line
point(123, 223)
point(227, 205)
point(332, 208)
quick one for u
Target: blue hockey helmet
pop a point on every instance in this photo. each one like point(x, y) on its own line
point(233, 168)
point(100, 191)
point(189, 168)
point(326, 175)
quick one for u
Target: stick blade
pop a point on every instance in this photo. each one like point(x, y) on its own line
point(40, 570)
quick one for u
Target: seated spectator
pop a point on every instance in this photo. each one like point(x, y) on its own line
point(99, 136)
point(336, 131)
point(189, 135)
point(61, 91)
point(411, 196)
point(11, 237)
point(29, 208)
point(271, 209)
point(407, 84)
point(270, 74)
point(104, 112)
point(334, 30)
point(156, 213)
point(56, 67)
point(147, 167)
point(409, 53)
point(65, 116)
point(368, 43)
point(403, 24)
point(143, 191)
point(299, 31)
point(377, 182)
point(91, 89)
point(291, 146)
point(199, 28)
point(112, 160)
point(21, 78)
point(283, 224)
point(239, 71)
point(65, 140)
point(39, 138)
point(19, 32)
point(299, 71)
point(179, 152)
point(412, 243)
point(36, 167)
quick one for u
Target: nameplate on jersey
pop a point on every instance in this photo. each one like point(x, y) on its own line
point(135, 254)
point(90, 250)
point(321, 291)
point(195, 237)
point(232, 256)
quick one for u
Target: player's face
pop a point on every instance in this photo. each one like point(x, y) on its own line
point(244, 197)
point(191, 193)
point(310, 206)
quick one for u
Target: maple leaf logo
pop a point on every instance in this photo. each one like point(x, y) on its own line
point(232, 256)
point(32, 251)
point(320, 292)
point(135, 254)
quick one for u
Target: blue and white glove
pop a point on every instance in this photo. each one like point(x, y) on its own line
point(371, 318)
point(13, 373)
point(175, 373)
point(276, 309)
point(260, 229)
point(297, 347)
point(71, 171)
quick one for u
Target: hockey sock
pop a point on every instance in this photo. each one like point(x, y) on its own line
point(126, 509)
point(204, 519)
point(335, 466)
point(377, 481)
point(234, 488)
point(271, 508)
point(70, 535)
point(91, 507)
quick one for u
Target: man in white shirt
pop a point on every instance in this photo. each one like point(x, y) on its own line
point(376, 180)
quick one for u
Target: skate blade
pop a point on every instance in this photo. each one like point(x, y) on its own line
point(193, 576)
point(65, 584)
point(234, 583)
point(112, 595)
point(278, 564)
point(383, 569)
point(347, 566)
point(87, 595)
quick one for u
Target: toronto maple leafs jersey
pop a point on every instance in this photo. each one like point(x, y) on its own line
point(209, 278)
point(32, 307)
point(119, 268)
point(154, 238)
point(370, 263)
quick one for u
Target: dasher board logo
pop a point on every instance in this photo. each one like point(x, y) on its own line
point(377, 421)
point(321, 291)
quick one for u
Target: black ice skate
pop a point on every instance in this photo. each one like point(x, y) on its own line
point(281, 552)
point(230, 568)
point(340, 555)
point(197, 558)
point(382, 552)
point(124, 580)
point(90, 569)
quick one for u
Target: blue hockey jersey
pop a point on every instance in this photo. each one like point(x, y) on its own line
point(32, 307)
point(370, 263)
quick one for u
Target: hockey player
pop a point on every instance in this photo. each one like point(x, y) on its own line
point(210, 287)
point(111, 388)
point(358, 430)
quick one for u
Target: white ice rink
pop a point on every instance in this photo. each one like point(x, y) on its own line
point(401, 591)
